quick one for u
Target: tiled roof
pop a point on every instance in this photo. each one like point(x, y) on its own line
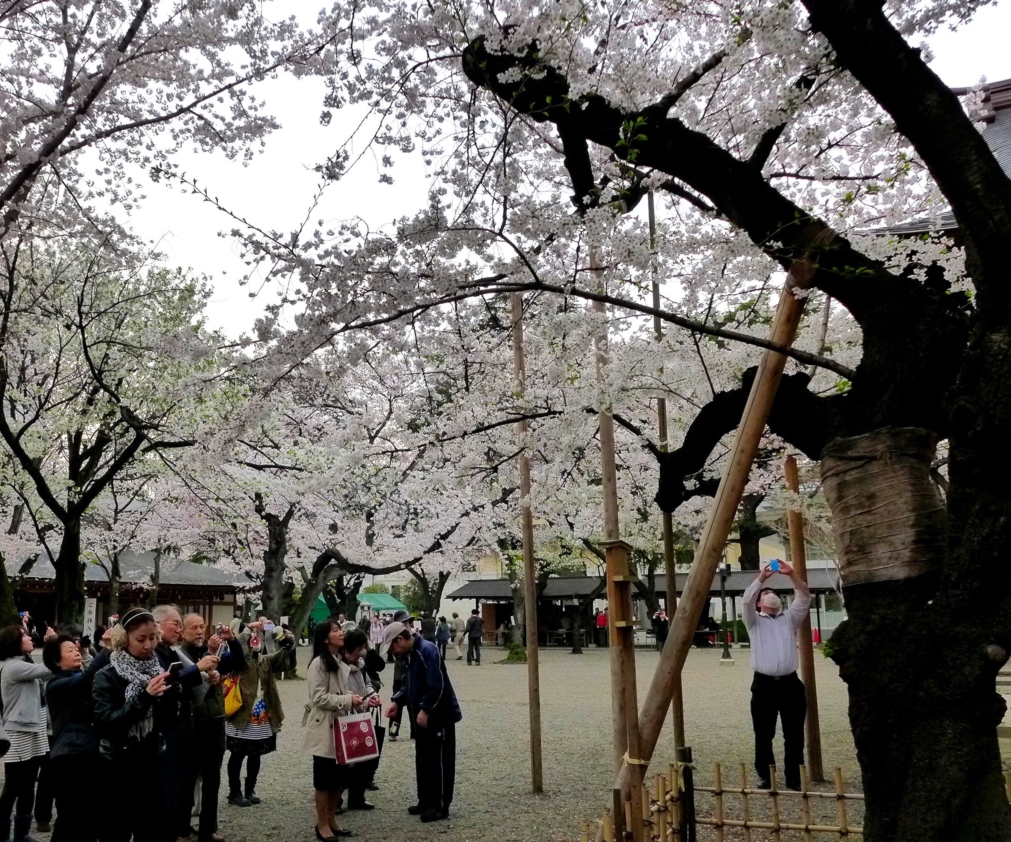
point(139, 567)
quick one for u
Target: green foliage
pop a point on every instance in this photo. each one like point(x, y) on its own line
point(413, 596)
point(516, 653)
point(377, 588)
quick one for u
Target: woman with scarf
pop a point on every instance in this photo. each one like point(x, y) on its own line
point(251, 731)
point(26, 721)
point(127, 695)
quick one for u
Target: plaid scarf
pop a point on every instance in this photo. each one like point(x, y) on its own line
point(138, 673)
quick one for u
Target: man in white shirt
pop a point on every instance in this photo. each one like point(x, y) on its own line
point(776, 690)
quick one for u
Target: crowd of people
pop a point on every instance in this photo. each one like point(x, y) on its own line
point(161, 699)
point(157, 698)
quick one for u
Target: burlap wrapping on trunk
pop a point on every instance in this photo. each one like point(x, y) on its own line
point(888, 518)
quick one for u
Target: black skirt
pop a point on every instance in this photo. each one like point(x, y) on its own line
point(328, 775)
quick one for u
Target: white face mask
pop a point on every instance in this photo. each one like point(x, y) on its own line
point(772, 603)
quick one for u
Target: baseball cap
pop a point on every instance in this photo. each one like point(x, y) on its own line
point(403, 616)
point(392, 632)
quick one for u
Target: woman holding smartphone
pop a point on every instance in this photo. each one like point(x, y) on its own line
point(127, 695)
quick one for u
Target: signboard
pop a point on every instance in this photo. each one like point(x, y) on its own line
point(90, 616)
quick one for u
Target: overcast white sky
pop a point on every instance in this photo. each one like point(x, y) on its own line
point(276, 188)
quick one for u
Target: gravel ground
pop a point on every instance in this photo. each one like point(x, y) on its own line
point(493, 801)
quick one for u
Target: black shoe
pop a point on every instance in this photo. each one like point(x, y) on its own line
point(253, 798)
point(361, 805)
point(763, 783)
point(336, 833)
point(433, 816)
point(237, 799)
point(794, 785)
point(371, 786)
point(415, 809)
point(444, 814)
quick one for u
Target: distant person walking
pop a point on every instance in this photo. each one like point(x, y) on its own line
point(459, 629)
point(475, 625)
point(442, 636)
point(776, 691)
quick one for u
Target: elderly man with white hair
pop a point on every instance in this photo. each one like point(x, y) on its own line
point(776, 691)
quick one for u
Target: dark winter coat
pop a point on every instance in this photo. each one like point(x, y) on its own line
point(113, 717)
point(70, 711)
point(212, 706)
point(426, 685)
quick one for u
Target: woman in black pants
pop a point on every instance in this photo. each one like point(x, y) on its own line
point(25, 719)
point(126, 695)
point(73, 757)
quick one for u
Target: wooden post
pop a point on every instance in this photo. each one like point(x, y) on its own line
point(841, 803)
point(798, 558)
point(624, 705)
point(745, 811)
point(723, 511)
point(529, 573)
point(670, 568)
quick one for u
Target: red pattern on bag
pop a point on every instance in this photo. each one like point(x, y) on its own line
point(355, 739)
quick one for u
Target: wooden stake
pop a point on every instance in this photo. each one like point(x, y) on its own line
point(798, 558)
point(721, 517)
point(584, 835)
point(669, 561)
point(529, 572)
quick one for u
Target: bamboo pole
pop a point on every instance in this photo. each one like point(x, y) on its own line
point(805, 803)
point(607, 827)
point(745, 812)
point(724, 508)
point(670, 568)
point(841, 802)
point(718, 803)
point(774, 792)
point(529, 573)
point(798, 559)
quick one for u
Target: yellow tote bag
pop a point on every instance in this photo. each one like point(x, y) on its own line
point(233, 695)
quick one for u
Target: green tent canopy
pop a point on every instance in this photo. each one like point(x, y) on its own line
point(381, 602)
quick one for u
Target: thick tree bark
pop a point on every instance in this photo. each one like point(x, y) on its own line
point(274, 557)
point(70, 575)
point(8, 609)
point(750, 531)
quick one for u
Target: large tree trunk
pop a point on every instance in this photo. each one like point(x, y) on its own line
point(70, 575)
point(750, 531)
point(115, 580)
point(8, 609)
point(923, 705)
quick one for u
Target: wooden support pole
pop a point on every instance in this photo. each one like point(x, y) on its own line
point(720, 520)
point(798, 558)
point(624, 706)
point(670, 568)
point(529, 573)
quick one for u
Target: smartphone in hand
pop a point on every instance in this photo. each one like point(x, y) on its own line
point(774, 565)
point(173, 676)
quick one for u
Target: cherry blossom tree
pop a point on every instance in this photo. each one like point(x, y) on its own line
point(779, 134)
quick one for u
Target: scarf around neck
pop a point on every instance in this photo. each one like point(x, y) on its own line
point(138, 673)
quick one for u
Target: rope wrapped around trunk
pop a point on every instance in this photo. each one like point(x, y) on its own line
point(888, 518)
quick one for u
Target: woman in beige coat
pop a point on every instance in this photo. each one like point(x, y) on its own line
point(330, 696)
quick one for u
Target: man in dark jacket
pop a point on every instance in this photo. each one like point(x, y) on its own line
point(177, 718)
point(208, 743)
point(434, 710)
point(475, 627)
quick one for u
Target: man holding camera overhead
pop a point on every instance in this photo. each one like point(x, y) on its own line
point(776, 691)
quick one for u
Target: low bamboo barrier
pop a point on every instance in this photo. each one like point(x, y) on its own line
point(668, 805)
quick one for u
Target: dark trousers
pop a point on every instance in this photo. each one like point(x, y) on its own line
point(19, 788)
point(204, 763)
point(235, 759)
point(73, 777)
point(442, 648)
point(435, 765)
point(44, 794)
point(773, 698)
point(175, 797)
point(132, 818)
point(474, 649)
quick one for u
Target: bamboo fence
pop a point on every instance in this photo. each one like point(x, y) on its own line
point(668, 805)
